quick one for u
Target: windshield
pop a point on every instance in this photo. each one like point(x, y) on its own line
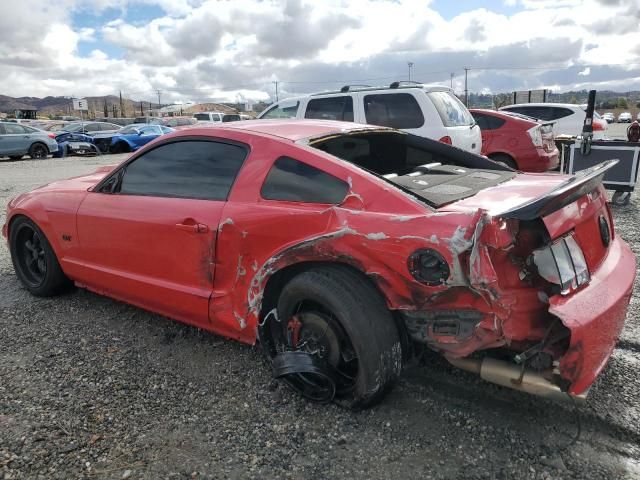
point(451, 110)
point(75, 127)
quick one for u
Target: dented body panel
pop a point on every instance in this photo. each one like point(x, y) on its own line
point(128, 247)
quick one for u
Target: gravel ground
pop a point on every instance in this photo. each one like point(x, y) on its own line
point(93, 388)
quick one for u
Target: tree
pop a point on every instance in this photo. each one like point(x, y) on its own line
point(638, 105)
point(622, 103)
point(573, 100)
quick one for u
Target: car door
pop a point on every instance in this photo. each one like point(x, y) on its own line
point(148, 232)
point(17, 140)
point(146, 135)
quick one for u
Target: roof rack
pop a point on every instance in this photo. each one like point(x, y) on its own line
point(346, 88)
point(397, 84)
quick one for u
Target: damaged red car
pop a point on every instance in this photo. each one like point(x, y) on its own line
point(340, 247)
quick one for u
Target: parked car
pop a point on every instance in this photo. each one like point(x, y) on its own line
point(213, 117)
point(131, 138)
point(18, 140)
point(625, 117)
point(75, 144)
point(609, 117)
point(246, 117)
point(179, 122)
point(568, 118)
point(91, 128)
point(638, 116)
point(147, 119)
point(51, 125)
point(517, 141)
point(431, 111)
point(340, 245)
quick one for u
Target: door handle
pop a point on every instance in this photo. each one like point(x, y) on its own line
point(193, 227)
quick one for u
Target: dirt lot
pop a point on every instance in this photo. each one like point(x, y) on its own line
point(93, 388)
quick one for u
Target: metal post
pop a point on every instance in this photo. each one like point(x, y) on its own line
point(121, 106)
point(158, 99)
point(466, 88)
point(452, 74)
point(410, 64)
point(276, 82)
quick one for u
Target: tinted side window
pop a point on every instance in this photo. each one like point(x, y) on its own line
point(495, 122)
point(295, 181)
point(189, 169)
point(559, 112)
point(333, 108)
point(13, 129)
point(481, 120)
point(397, 110)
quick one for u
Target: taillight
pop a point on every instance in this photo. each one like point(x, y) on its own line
point(51, 135)
point(598, 126)
point(446, 139)
point(563, 264)
point(536, 135)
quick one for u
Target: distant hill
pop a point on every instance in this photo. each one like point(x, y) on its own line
point(63, 106)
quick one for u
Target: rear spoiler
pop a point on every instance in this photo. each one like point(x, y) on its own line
point(581, 183)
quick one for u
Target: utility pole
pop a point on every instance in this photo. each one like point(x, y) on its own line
point(158, 99)
point(276, 82)
point(410, 64)
point(452, 75)
point(141, 112)
point(466, 88)
point(121, 105)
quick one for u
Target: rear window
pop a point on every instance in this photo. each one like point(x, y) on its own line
point(487, 122)
point(396, 110)
point(452, 111)
point(295, 181)
point(205, 117)
point(332, 108)
point(285, 109)
point(230, 118)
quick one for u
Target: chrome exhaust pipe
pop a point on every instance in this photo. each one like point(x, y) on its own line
point(510, 375)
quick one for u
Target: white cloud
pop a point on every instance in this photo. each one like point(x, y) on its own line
point(205, 49)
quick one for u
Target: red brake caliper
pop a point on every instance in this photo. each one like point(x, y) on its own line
point(293, 331)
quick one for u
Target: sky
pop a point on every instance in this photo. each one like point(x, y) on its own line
point(236, 50)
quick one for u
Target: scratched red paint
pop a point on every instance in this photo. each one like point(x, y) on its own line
point(127, 247)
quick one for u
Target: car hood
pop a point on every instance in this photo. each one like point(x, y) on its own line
point(83, 182)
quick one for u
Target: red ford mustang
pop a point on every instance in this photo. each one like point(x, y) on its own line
point(341, 247)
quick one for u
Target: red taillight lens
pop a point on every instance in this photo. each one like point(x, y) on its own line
point(598, 126)
point(446, 139)
point(51, 135)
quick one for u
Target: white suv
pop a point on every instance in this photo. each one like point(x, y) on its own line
point(212, 117)
point(431, 111)
point(568, 118)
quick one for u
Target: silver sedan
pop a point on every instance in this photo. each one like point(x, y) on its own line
point(18, 140)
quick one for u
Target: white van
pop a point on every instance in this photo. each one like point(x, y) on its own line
point(431, 111)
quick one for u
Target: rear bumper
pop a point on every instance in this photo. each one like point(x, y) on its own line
point(595, 316)
point(543, 161)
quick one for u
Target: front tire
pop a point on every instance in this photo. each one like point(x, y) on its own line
point(34, 260)
point(342, 320)
point(38, 151)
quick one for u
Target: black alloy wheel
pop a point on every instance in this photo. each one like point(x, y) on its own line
point(38, 151)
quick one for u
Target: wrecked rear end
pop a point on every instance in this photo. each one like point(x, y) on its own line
point(555, 280)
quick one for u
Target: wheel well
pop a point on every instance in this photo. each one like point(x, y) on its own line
point(279, 279)
point(39, 143)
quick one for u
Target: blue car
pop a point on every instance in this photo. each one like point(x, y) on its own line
point(70, 143)
point(134, 136)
